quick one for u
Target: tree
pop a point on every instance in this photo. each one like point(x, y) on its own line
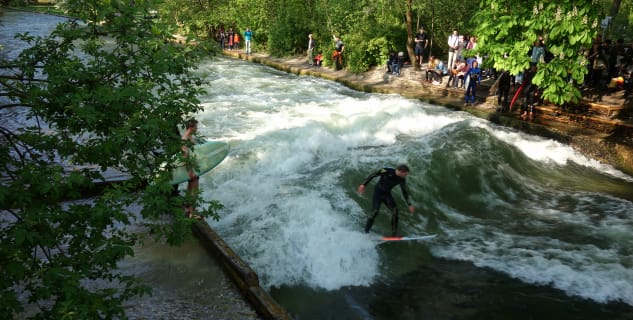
point(411, 34)
point(615, 7)
point(288, 28)
point(568, 27)
point(96, 103)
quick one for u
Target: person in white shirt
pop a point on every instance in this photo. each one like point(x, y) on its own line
point(453, 46)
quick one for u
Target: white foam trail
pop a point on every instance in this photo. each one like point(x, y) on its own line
point(571, 268)
point(591, 260)
point(548, 151)
point(297, 240)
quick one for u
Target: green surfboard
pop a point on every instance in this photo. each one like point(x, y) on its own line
point(207, 156)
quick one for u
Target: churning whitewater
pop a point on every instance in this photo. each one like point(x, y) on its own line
point(520, 204)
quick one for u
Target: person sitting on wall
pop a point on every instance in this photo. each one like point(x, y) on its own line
point(393, 59)
point(318, 60)
point(430, 68)
point(436, 73)
point(461, 75)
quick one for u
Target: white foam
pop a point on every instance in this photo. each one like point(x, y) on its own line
point(571, 263)
point(297, 240)
point(286, 212)
point(549, 151)
point(291, 215)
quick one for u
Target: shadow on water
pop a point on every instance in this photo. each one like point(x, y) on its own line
point(445, 289)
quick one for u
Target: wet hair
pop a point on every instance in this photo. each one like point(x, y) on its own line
point(403, 168)
point(191, 123)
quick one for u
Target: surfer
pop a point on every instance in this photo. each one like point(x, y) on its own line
point(389, 178)
point(191, 128)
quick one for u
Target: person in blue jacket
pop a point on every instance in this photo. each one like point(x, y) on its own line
point(389, 178)
point(474, 74)
point(248, 37)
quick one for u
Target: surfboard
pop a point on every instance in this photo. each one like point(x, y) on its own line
point(207, 156)
point(385, 238)
point(516, 96)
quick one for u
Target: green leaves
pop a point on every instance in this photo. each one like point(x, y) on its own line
point(95, 104)
point(565, 27)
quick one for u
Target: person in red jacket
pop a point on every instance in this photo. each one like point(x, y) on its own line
point(236, 41)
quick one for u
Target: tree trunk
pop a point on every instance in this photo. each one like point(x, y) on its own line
point(615, 7)
point(410, 36)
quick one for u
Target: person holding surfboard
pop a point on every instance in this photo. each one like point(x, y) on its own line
point(389, 178)
point(191, 127)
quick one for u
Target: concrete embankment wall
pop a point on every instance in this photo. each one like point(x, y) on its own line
point(242, 275)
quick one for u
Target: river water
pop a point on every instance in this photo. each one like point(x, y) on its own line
point(527, 227)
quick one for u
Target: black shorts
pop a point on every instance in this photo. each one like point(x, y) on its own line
point(419, 51)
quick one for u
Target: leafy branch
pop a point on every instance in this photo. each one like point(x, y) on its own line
point(98, 103)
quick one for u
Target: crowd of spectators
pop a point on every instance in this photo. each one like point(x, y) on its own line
point(609, 68)
point(610, 65)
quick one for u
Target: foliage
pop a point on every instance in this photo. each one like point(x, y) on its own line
point(289, 30)
point(193, 18)
point(371, 28)
point(96, 103)
point(620, 26)
point(258, 16)
point(16, 3)
point(440, 18)
point(367, 53)
point(370, 32)
point(511, 27)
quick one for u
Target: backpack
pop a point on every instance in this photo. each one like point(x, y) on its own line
point(548, 56)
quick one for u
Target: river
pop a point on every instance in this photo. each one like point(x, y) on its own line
point(527, 227)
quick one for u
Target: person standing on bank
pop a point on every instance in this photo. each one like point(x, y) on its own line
point(337, 55)
point(229, 37)
point(474, 76)
point(236, 41)
point(188, 139)
point(420, 46)
point(453, 47)
point(389, 178)
point(311, 46)
point(248, 36)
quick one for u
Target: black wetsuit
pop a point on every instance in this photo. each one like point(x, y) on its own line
point(382, 193)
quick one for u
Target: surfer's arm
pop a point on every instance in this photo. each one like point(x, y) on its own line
point(372, 176)
point(405, 195)
point(361, 188)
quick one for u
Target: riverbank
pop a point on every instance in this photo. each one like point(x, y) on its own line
point(603, 138)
